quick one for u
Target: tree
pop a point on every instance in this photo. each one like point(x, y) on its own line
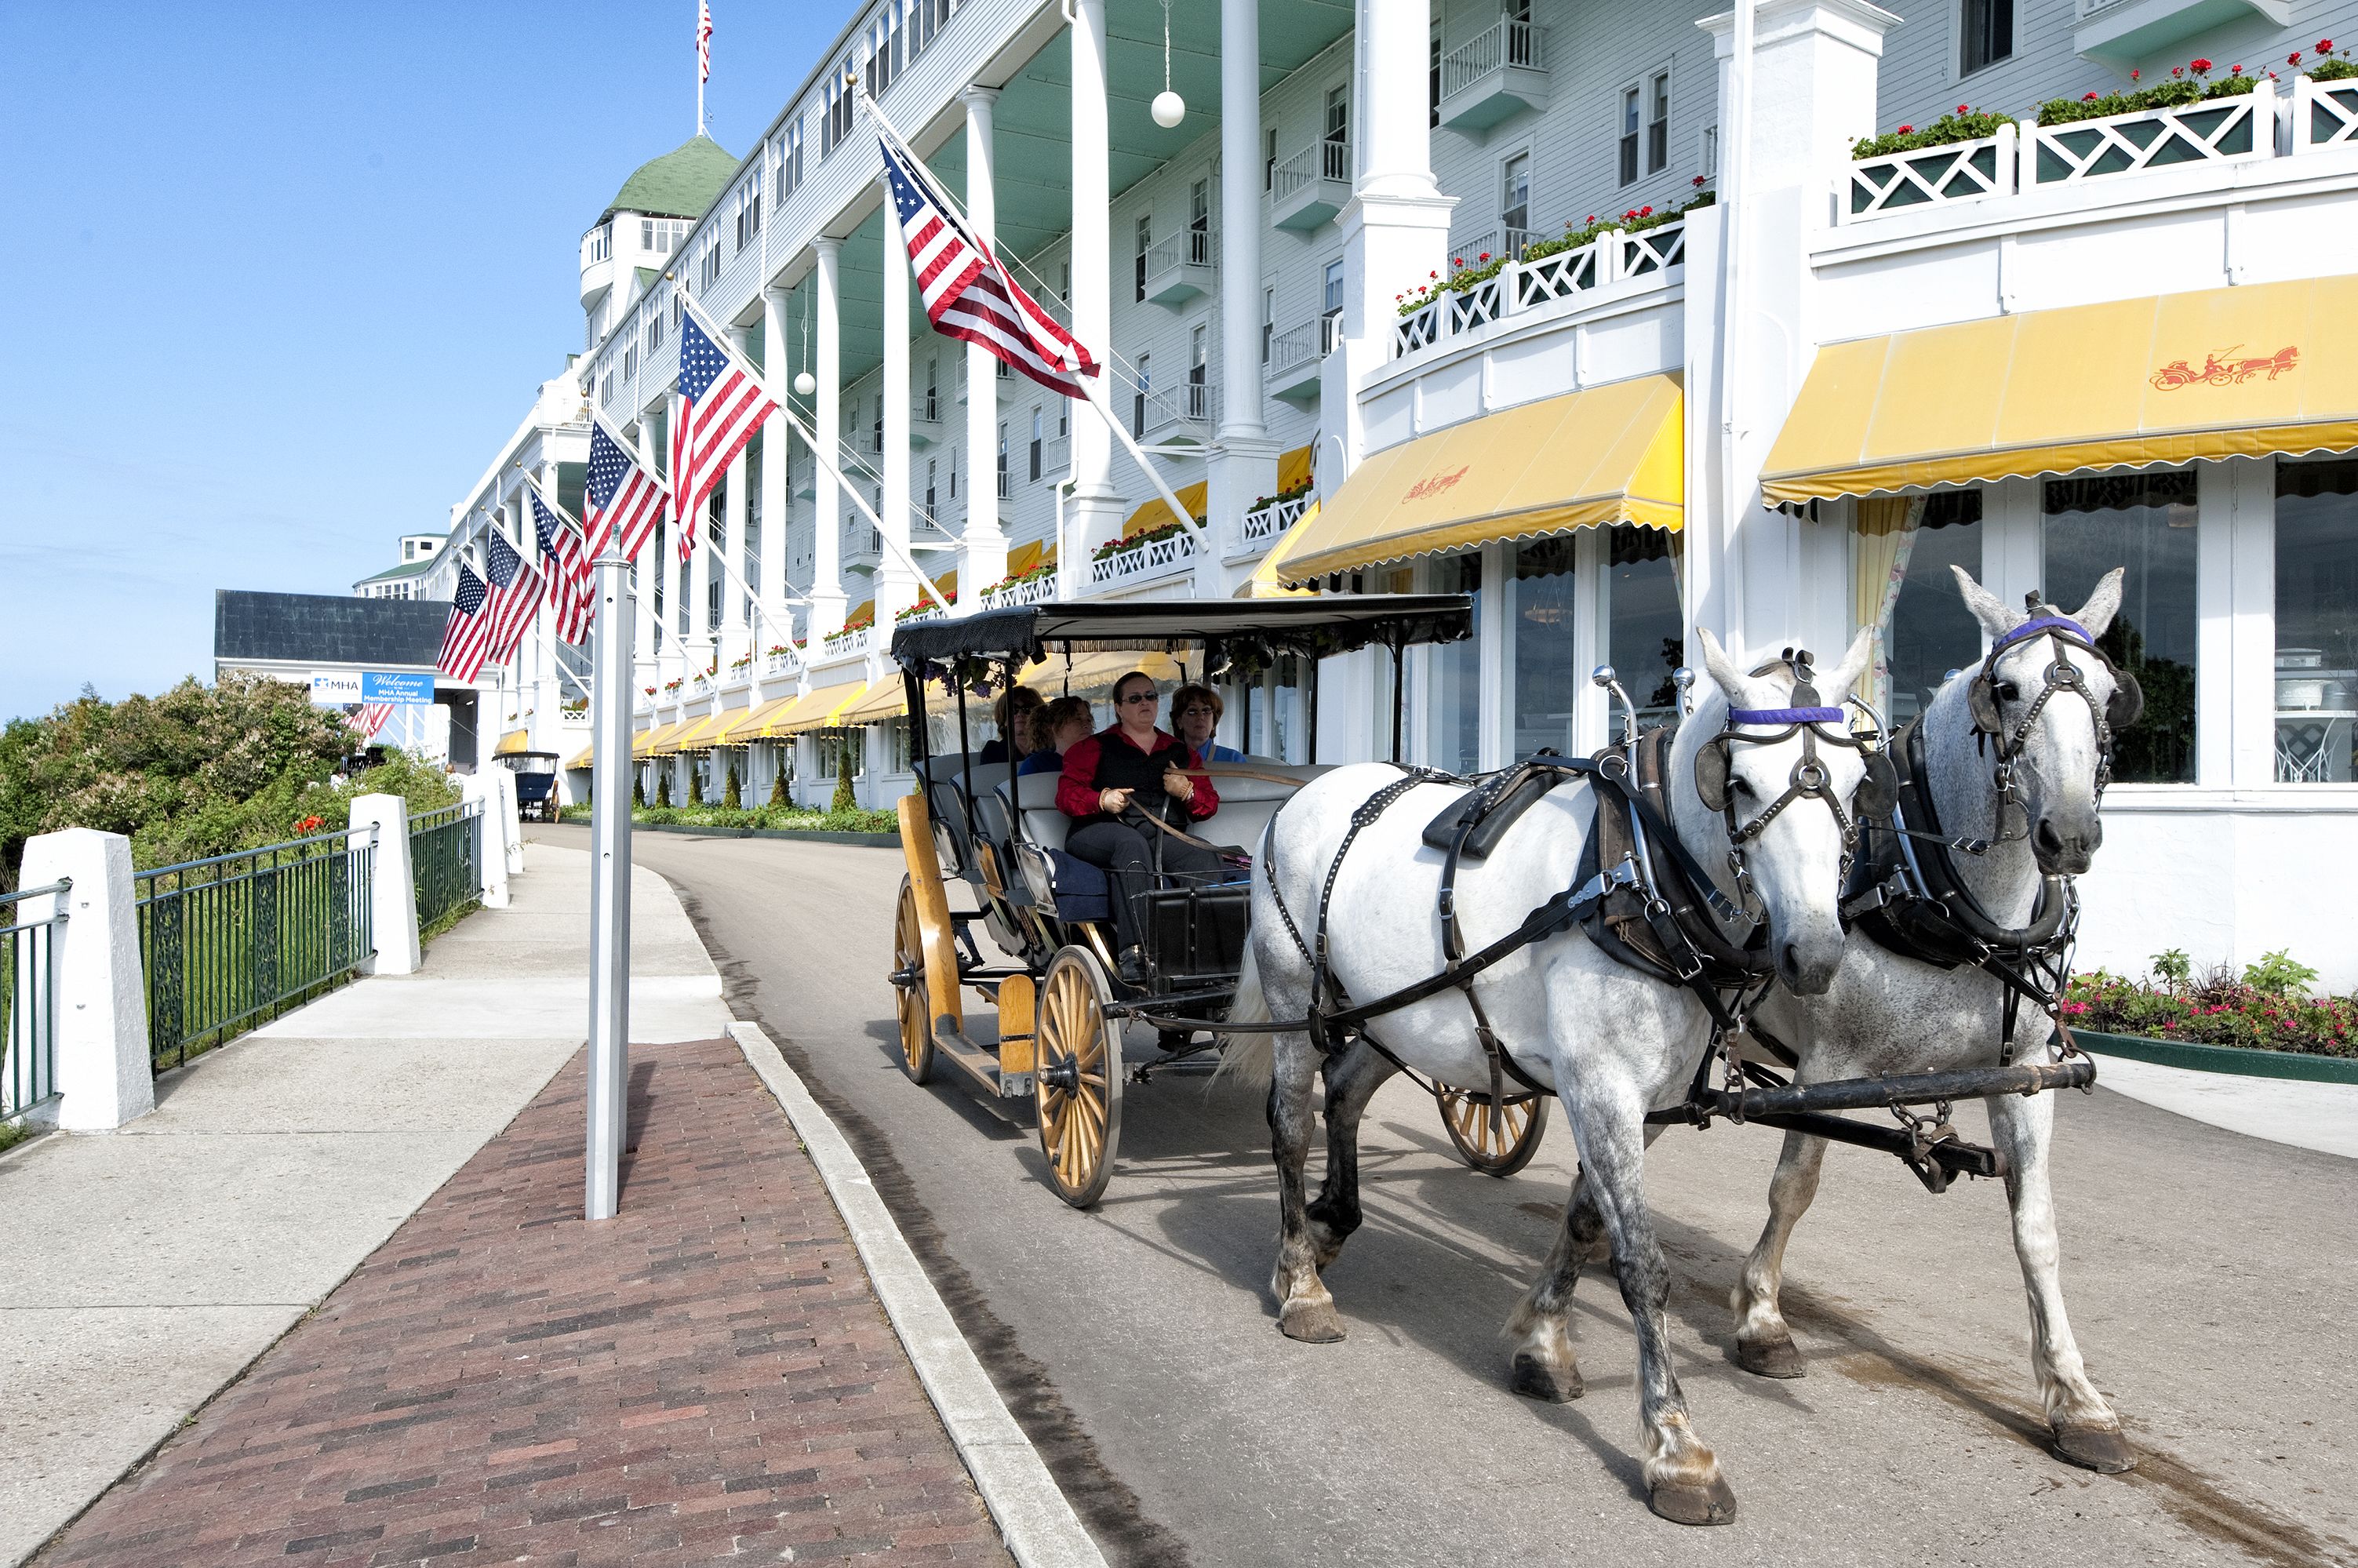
point(731, 797)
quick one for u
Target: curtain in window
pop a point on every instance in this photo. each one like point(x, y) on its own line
point(1887, 526)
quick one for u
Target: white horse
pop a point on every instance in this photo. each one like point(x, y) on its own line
point(1613, 1043)
point(1885, 1014)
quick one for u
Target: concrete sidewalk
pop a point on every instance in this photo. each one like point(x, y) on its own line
point(149, 1267)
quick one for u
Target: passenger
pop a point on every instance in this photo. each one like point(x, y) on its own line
point(1195, 713)
point(1012, 715)
point(1057, 727)
point(1128, 770)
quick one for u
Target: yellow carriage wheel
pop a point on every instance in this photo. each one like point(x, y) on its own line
point(1079, 1081)
point(916, 1007)
point(1497, 1147)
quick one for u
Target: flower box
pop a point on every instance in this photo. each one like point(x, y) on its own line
point(2192, 1056)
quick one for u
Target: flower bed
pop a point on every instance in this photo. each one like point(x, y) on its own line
point(1465, 277)
point(2265, 1007)
point(1262, 503)
point(1113, 547)
point(1964, 124)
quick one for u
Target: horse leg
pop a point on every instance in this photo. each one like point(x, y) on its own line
point(1763, 1344)
point(1351, 1082)
point(1683, 1477)
point(1305, 1309)
point(2086, 1431)
point(1545, 1365)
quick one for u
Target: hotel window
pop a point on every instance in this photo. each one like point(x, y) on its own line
point(932, 478)
point(876, 431)
point(2144, 522)
point(1546, 681)
point(933, 388)
point(1036, 445)
point(1199, 370)
point(1515, 204)
point(1985, 33)
point(789, 178)
point(1137, 398)
point(1268, 321)
point(1199, 223)
point(1453, 695)
point(1658, 122)
point(1002, 460)
point(2317, 621)
point(1645, 626)
point(630, 362)
point(1629, 105)
point(1330, 308)
point(1145, 243)
point(1901, 583)
point(1432, 80)
point(1334, 142)
point(1269, 159)
point(749, 211)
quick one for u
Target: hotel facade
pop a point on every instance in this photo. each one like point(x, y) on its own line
point(1580, 309)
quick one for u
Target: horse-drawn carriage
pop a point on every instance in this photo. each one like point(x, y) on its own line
point(1061, 1008)
point(535, 783)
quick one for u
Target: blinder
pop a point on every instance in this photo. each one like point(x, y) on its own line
point(1711, 776)
point(2121, 710)
point(2128, 704)
point(1878, 793)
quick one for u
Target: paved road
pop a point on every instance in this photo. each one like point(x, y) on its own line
point(2211, 1278)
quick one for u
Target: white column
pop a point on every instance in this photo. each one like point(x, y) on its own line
point(1242, 464)
point(827, 422)
point(393, 894)
point(896, 587)
point(1094, 514)
point(777, 456)
point(984, 560)
point(1396, 228)
point(736, 632)
point(701, 642)
point(104, 1077)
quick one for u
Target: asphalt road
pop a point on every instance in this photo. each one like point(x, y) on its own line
point(2210, 1276)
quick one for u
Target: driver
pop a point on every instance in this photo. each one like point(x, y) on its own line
point(1113, 780)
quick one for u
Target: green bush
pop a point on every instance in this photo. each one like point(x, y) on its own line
point(2263, 1009)
point(778, 789)
point(844, 799)
point(731, 796)
point(662, 785)
point(1963, 126)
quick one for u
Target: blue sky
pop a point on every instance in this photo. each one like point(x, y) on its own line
point(293, 271)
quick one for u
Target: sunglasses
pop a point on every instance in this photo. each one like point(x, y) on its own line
point(1139, 697)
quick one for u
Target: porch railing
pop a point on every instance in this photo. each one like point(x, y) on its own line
point(1263, 524)
point(226, 941)
point(1616, 256)
point(1507, 42)
point(445, 861)
point(28, 1000)
point(1040, 590)
point(1150, 557)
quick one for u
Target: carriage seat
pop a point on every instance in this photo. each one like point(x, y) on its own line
point(1080, 889)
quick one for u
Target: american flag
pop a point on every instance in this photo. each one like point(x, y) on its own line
point(721, 402)
point(572, 593)
point(621, 495)
point(487, 620)
point(370, 718)
point(703, 40)
point(966, 291)
point(515, 595)
point(466, 636)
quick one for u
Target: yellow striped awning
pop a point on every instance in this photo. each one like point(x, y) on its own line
point(644, 744)
point(588, 755)
point(1615, 453)
point(812, 709)
point(511, 743)
point(2220, 372)
point(746, 724)
point(886, 697)
point(703, 734)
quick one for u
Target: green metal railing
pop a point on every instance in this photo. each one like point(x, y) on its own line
point(446, 859)
point(28, 998)
point(227, 941)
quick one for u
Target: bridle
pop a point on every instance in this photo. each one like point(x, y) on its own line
point(1810, 779)
point(2061, 675)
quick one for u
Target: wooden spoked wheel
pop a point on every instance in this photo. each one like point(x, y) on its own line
point(1494, 1149)
point(916, 1007)
point(1079, 1081)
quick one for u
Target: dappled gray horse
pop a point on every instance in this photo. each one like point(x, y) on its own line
point(1612, 1043)
point(2029, 737)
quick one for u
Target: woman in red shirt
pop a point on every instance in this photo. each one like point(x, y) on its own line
point(1129, 769)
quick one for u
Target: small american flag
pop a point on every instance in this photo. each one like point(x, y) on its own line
point(516, 595)
point(703, 40)
point(621, 497)
point(466, 636)
point(966, 291)
point(721, 402)
point(370, 718)
point(572, 594)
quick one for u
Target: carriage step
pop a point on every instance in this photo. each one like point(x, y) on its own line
point(981, 1067)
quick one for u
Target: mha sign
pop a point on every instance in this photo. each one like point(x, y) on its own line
point(337, 689)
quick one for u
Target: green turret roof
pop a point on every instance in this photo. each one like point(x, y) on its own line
point(682, 183)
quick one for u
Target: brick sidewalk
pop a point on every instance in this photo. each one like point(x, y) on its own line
point(708, 1377)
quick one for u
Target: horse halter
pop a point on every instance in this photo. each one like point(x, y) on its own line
point(2126, 704)
point(1808, 779)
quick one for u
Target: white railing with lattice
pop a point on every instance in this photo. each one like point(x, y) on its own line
point(2218, 130)
point(1479, 305)
point(2324, 113)
point(1041, 589)
point(844, 644)
point(1263, 524)
point(1419, 329)
point(782, 662)
point(1559, 277)
point(1151, 557)
point(1651, 251)
point(1615, 256)
point(1929, 176)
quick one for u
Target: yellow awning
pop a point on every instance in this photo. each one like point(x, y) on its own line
point(885, 697)
point(2267, 367)
point(747, 723)
point(511, 743)
point(1292, 469)
point(814, 708)
point(1267, 580)
point(1157, 511)
point(644, 744)
point(1051, 678)
point(1615, 453)
point(588, 755)
point(706, 732)
point(667, 741)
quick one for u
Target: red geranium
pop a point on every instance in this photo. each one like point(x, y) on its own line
point(2325, 46)
point(2293, 58)
point(2134, 74)
point(2199, 66)
point(1696, 182)
point(310, 825)
point(1962, 109)
point(2087, 98)
point(1485, 256)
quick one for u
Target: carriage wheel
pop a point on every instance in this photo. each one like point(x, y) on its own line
point(1495, 1151)
point(1080, 1076)
point(916, 1006)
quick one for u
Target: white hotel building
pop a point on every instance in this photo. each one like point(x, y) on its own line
point(2119, 342)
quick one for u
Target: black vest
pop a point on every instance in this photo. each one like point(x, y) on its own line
point(1121, 765)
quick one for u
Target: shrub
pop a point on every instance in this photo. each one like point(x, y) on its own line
point(730, 799)
point(844, 799)
point(1963, 126)
point(2264, 1008)
point(662, 785)
point(778, 789)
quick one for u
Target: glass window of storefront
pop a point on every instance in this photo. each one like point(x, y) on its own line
point(2144, 522)
point(1545, 680)
point(1645, 627)
point(1453, 674)
point(2317, 621)
point(1906, 546)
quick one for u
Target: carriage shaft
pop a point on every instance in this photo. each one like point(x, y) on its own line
point(1904, 1088)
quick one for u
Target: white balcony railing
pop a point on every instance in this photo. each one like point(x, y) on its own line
point(1041, 589)
point(1931, 177)
point(1311, 185)
point(1296, 353)
point(1152, 557)
point(782, 662)
point(1507, 44)
point(2324, 113)
point(2218, 130)
point(1182, 267)
point(1616, 256)
point(1182, 407)
point(1262, 524)
point(844, 644)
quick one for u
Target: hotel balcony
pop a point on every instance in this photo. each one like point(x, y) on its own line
point(1499, 72)
point(1150, 559)
point(1296, 356)
point(1185, 413)
point(927, 412)
point(1183, 267)
point(1260, 528)
point(1309, 187)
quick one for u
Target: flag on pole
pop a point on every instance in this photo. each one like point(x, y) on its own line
point(721, 402)
point(622, 500)
point(967, 293)
point(466, 636)
point(572, 594)
point(516, 595)
point(703, 40)
point(370, 718)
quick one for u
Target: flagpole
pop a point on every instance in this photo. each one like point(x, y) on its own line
point(898, 549)
point(610, 887)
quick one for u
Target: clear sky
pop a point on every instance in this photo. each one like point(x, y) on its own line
point(283, 277)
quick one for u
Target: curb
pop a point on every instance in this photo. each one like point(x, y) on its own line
point(807, 835)
point(1038, 1525)
point(2237, 1060)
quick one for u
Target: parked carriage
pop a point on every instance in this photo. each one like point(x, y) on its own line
point(1060, 1011)
point(535, 783)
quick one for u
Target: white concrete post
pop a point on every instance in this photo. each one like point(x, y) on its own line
point(985, 540)
point(896, 587)
point(827, 422)
point(510, 821)
point(1243, 461)
point(1094, 514)
point(482, 791)
point(104, 1075)
point(393, 887)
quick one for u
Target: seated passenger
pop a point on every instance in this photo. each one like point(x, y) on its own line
point(1013, 714)
point(1110, 780)
point(1195, 714)
point(1056, 729)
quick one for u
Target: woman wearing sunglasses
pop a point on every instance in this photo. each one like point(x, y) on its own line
point(1129, 769)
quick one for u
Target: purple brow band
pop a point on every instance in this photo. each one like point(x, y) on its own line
point(1784, 715)
point(2038, 625)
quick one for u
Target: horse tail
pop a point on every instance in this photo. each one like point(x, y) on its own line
point(1248, 1058)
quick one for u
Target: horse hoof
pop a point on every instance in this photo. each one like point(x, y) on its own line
point(1712, 1504)
point(2099, 1448)
point(1313, 1323)
point(1534, 1378)
point(1770, 1357)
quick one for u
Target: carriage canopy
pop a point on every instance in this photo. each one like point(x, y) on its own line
point(1322, 624)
